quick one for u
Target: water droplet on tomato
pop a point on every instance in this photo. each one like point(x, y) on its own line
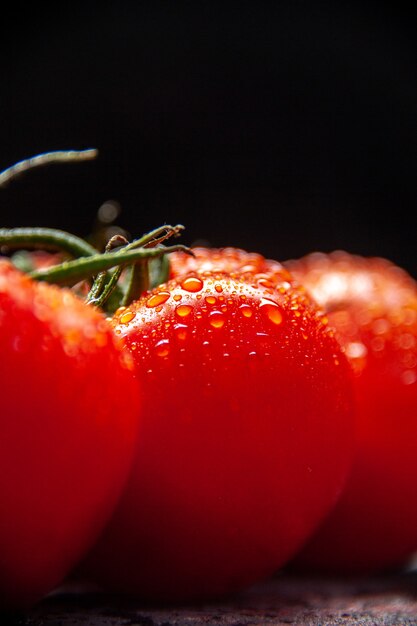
point(216, 319)
point(218, 288)
point(162, 347)
point(183, 310)
point(127, 317)
point(192, 284)
point(157, 299)
point(181, 331)
point(246, 310)
point(264, 282)
point(271, 310)
point(211, 299)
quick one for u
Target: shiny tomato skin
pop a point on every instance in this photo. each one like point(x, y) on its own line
point(228, 259)
point(372, 305)
point(246, 437)
point(69, 417)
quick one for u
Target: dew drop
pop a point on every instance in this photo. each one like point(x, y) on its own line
point(218, 288)
point(192, 284)
point(246, 310)
point(181, 331)
point(272, 311)
point(183, 310)
point(211, 299)
point(127, 317)
point(157, 299)
point(177, 297)
point(162, 347)
point(264, 282)
point(216, 319)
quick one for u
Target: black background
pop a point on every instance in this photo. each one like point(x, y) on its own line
point(281, 127)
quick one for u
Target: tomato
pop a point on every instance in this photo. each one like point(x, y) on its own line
point(246, 436)
point(69, 420)
point(372, 305)
point(229, 259)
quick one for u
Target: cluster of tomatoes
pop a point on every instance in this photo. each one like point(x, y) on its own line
point(242, 417)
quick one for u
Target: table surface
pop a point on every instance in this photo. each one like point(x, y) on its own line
point(284, 599)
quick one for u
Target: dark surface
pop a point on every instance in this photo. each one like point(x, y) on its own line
point(281, 127)
point(286, 599)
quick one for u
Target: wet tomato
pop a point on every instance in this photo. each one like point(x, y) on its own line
point(372, 306)
point(246, 437)
point(229, 259)
point(69, 415)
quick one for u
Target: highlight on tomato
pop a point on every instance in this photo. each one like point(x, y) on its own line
point(246, 436)
point(371, 304)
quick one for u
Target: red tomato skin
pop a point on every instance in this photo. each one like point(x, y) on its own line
point(246, 437)
point(69, 419)
point(228, 259)
point(372, 305)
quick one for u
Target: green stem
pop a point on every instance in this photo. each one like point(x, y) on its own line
point(45, 159)
point(159, 271)
point(46, 239)
point(100, 290)
point(138, 281)
point(156, 236)
point(100, 280)
point(100, 298)
point(71, 272)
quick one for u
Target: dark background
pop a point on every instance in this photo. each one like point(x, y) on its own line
point(281, 127)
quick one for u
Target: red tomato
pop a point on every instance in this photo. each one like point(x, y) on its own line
point(246, 438)
point(69, 415)
point(228, 260)
point(372, 305)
